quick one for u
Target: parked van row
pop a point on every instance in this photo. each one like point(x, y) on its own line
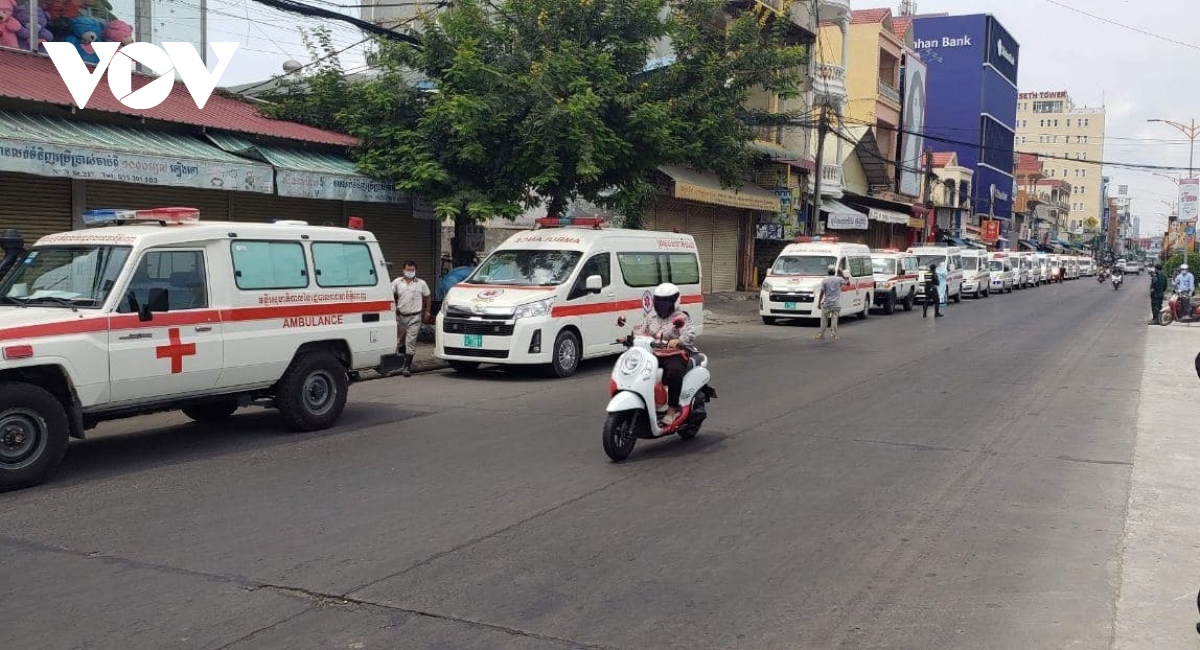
point(887, 278)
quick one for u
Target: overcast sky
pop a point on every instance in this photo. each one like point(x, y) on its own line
point(1134, 76)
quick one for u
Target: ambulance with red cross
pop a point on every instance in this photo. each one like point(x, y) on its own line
point(155, 310)
point(792, 288)
point(562, 292)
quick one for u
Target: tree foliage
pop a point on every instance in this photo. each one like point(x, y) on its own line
point(507, 105)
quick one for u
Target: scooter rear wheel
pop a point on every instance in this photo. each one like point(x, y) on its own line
point(619, 436)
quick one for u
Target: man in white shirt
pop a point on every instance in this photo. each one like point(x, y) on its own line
point(412, 308)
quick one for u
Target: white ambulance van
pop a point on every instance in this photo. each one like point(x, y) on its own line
point(157, 310)
point(792, 288)
point(977, 277)
point(563, 292)
point(951, 256)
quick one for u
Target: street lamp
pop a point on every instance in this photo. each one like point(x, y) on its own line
point(1192, 132)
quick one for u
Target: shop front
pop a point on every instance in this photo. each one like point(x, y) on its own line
point(721, 220)
point(52, 169)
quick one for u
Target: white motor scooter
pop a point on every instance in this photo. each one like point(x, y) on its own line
point(639, 398)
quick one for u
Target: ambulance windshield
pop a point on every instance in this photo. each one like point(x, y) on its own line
point(803, 265)
point(530, 268)
point(970, 263)
point(74, 276)
point(883, 265)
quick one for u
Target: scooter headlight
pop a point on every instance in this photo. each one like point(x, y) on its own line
point(629, 363)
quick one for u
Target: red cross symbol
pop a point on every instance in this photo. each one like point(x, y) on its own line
point(175, 351)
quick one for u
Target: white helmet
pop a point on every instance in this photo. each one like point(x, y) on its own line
point(1183, 267)
point(666, 299)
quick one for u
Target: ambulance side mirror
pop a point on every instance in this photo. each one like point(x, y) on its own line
point(594, 284)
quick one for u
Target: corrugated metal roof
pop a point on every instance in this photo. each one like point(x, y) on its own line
point(33, 77)
point(53, 131)
point(291, 159)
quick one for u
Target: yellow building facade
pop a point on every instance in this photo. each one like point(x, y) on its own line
point(1070, 142)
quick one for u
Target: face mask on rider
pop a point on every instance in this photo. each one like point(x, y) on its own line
point(410, 274)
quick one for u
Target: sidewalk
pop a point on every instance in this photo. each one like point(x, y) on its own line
point(1160, 572)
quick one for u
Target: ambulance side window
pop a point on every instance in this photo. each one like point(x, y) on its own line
point(180, 273)
point(598, 264)
point(269, 265)
point(343, 264)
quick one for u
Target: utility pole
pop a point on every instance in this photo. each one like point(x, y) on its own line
point(927, 196)
point(1192, 132)
point(815, 217)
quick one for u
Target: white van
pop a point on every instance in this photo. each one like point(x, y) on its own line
point(793, 286)
point(563, 292)
point(977, 278)
point(951, 256)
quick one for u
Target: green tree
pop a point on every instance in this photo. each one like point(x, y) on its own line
point(507, 105)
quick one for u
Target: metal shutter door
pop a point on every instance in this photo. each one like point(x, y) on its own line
point(725, 254)
point(35, 205)
point(669, 214)
point(213, 204)
point(700, 225)
point(401, 237)
point(265, 208)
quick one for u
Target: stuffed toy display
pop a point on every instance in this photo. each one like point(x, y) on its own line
point(85, 30)
point(118, 31)
point(9, 26)
point(62, 9)
point(44, 34)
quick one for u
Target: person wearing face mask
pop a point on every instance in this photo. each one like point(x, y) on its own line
point(412, 308)
point(667, 323)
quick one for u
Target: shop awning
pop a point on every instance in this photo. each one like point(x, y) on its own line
point(703, 187)
point(843, 217)
point(777, 152)
point(310, 174)
point(888, 216)
point(48, 146)
point(1029, 244)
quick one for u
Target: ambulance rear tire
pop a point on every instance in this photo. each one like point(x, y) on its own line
point(862, 315)
point(312, 394)
point(34, 433)
point(769, 320)
point(211, 411)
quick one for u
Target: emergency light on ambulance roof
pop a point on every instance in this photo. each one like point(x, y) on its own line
point(578, 222)
point(164, 216)
point(818, 238)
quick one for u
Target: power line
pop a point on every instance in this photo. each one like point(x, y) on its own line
point(1123, 25)
point(296, 7)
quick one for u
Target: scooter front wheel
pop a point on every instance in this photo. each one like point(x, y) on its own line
point(1167, 317)
point(619, 436)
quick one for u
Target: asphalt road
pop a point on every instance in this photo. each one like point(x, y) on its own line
point(922, 483)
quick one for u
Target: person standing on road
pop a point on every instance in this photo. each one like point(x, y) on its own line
point(932, 293)
point(943, 279)
point(1158, 289)
point(831, 302)
point(412, 308)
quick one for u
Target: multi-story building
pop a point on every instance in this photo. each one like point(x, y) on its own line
point(1043, 202)
point(1070, 140)
point(951, 194)
point(972, 88)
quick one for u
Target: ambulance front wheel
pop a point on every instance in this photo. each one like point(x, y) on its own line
point(33, 435)
point(312, 394)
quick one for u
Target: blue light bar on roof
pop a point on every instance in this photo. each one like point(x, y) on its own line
point(112, 216)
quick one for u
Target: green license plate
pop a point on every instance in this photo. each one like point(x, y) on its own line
point(473, 340)
point(789, 305)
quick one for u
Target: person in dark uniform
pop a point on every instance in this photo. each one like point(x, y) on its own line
point(1158, 289)
point(932, 295)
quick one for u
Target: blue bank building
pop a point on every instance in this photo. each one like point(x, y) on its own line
point(972, 110)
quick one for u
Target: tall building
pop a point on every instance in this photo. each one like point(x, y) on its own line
point(972, 89)
point(397, 14)
point(1070, 140)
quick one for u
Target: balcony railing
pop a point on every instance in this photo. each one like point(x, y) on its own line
point(833, 10)
point(829, 80)
point(831, 181)
point(889, 93)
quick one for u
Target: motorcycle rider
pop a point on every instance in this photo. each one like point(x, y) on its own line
point(668, 323)
point(1185, 284)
